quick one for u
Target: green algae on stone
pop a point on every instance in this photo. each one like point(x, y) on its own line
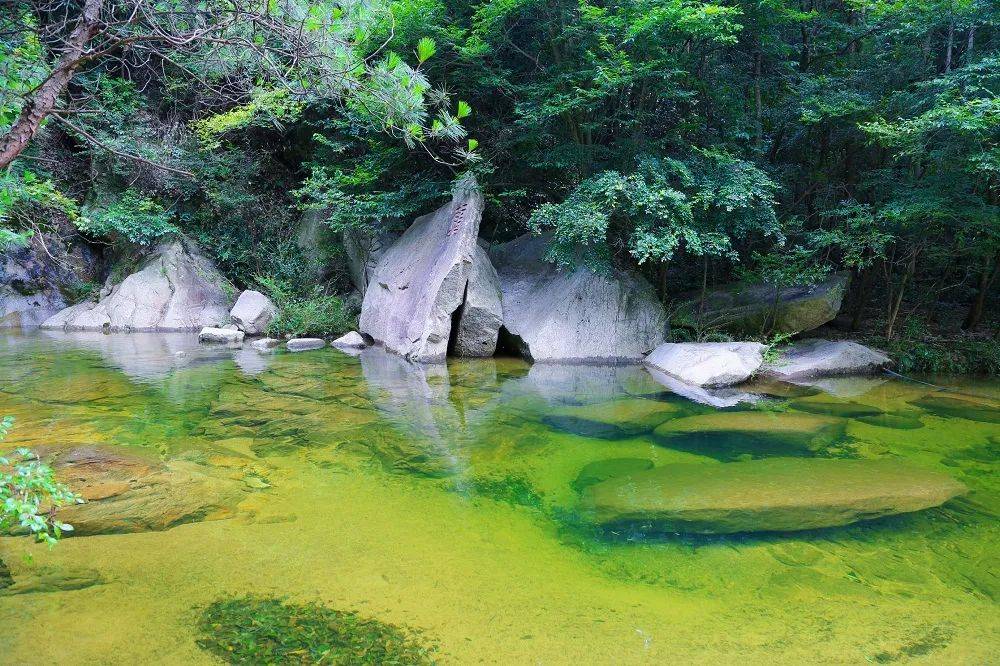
point(602, 470)
point(510, 489)
point(263, 630)
point(777, 494)
point(616, 419)
point(960, 408)
point(894, 421)
point(735, 435)
point(847, 410)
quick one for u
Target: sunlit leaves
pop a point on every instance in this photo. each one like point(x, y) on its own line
point(425, 49)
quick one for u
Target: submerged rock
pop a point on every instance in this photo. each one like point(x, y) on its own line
point(894, 421)
point(750, 309)
point(847, 410)
point(555, 314)
point(481, 314)
point(265, 344)
point(422, 279)
point(253, 312)
point(305, 344)
point(174, 289)
point(612, 468)
point(220, 335)
point(820, 358)
point(126, 493)
point(971, 409)
point(617, 419)
point(776, 494)
point(52, 579)
point(742, 434)
point(708, 363)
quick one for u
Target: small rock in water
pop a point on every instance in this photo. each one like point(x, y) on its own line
point(983, 411)
point(708, 363)
point(352, 340)
point(265, 344)
point(776, 494)
point(220, 335)
point(305, 344)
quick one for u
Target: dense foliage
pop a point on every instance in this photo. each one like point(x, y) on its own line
point(699, 142)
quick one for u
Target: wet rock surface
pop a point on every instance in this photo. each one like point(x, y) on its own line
point(777, 494)
point(127, 493)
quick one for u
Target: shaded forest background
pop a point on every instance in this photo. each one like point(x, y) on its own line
point(700, 143)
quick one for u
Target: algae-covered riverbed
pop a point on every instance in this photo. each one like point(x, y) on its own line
point(447, 502)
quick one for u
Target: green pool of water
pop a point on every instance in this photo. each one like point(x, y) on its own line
point(445, 500)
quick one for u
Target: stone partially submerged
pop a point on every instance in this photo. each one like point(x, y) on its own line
point(821, 358)
point(421, 281)
point(776, 494)
point(755, 308)
point(175, 288)
point(708, 363)
point(574, 315)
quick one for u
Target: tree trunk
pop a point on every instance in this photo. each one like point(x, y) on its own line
point(911, 268)
point(43, 99)
point(979, 304)
point(951, 46)
point(861, 302)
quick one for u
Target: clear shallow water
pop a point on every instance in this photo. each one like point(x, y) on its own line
point(443, 499)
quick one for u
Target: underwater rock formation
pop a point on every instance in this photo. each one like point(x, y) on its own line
point(776, 494)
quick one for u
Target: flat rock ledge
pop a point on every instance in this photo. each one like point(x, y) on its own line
point(821, 358)
point(774, 494)
point(709, 364)
point(220, 335)
point(305, 344)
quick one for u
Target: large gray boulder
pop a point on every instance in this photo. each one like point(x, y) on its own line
point(35, 278)
point(574, 315)
point(820, 358)
point(175, 288)
point(421, 280)
point(775, 494)
point(481, 315)
point(708, 363)
point(364, 248)
point(253, 312)
point(752, 308)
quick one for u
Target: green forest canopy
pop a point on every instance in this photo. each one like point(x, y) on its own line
point(768, 139)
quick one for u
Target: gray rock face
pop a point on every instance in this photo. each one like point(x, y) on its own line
point(364, 249)
point(776, 494)
point(305, 344)
point(352, 340)
point(708, 363)
point(575, 315)
point(482, 312)
point(33, 278)
point(253, 312)
point(174, 289)
point(220, 335)
point(265, 344)
point(421, 280)
point(748, 309)
point(820, 358)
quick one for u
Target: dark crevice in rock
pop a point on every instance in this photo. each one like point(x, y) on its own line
point(509, 344)
point(456, 320)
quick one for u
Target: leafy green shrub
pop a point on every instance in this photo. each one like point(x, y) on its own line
point(262, 630)
point(315, 314)
point(945, 356)
point(28, 492)
point(133, 217)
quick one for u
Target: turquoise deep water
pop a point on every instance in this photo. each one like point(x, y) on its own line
point(447, 500)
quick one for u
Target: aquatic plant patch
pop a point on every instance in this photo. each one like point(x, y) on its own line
point(265, 630)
